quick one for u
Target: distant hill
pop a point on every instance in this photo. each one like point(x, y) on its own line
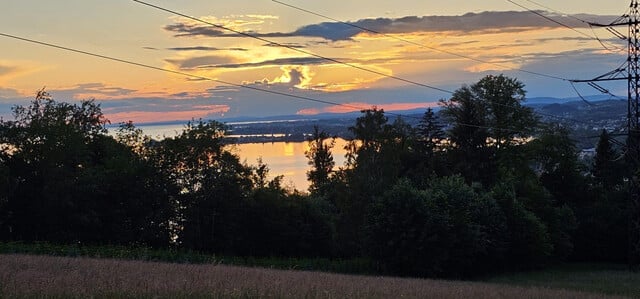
point(592, 112)
point(550, 100)
point(586, 117)
point(538, 102)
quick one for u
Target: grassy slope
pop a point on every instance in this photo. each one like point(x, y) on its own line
point(40, 276)
point(345, 266)
point(605, 279)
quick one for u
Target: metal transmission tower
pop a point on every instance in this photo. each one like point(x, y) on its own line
point(633, 140)
point(631, 74)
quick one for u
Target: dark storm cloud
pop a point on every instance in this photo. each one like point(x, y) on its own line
point(503, 21)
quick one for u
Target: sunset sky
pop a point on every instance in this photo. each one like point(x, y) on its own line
point(495, 31)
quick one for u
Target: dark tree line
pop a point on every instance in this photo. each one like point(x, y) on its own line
point(481, 186)
point(66, 181)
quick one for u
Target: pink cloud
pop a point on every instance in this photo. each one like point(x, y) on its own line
point(154, 116)
point(357, 106)
point(310, 111)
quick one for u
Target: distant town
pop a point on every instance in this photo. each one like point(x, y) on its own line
point(586, 118)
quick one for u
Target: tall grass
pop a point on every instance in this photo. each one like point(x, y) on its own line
point(597, 278)
point(139, 253)
point(63, 277)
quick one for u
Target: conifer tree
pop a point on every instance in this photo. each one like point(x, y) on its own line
point(606, 170)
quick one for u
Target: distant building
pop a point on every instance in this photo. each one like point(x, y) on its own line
point(588, 153)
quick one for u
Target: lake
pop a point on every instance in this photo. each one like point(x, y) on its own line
point(282, 158)
point(286, 158)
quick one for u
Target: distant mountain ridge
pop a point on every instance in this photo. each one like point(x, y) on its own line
point(537, 102)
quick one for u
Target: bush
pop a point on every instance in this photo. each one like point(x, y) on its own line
point(447, 230)
point(528, 238)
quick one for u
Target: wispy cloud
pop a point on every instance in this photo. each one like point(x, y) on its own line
point(6, 70)
point(249, 23)
point(205, 48)
point(9, 93)
point(13, 69)
point(96, 90)
point(290, 45)
point(200, 61)
point(273, 62)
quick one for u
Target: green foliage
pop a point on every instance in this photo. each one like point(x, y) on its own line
point(509, 120)
point(321, 162)
point(528, 237)
point(429, 133)
point(294, 226)
point(426, 157)
point(141, 253)
point(446, 230)
point(485, 196)
point(71, 183)
point(607, 169)
point(602, 232)
point(469, 135)
point(557, 163)
point(133, 138)
point(488, 120)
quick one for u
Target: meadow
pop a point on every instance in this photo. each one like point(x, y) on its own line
point(37, 276)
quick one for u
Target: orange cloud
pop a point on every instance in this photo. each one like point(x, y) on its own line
point(354, 107)
point(154, 116)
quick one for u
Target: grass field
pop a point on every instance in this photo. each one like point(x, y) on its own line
point(30, 276)
point(344, 266)
point(598, 278)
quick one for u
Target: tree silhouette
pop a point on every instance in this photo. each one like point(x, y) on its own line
point(606, 171)
point(320, 160)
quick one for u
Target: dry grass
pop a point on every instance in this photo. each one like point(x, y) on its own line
point(53, 277)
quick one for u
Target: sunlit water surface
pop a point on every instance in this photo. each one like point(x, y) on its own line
point(282, 158)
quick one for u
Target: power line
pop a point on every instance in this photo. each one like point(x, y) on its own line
point(549, 19)
point(305, 98)
point(174, 72)
point(557, 11)
point(307, 52)
point(560, 23)
point(435, 49)
point(579, 20)
point(418, 44)
point(245, 34)
point(594, 37)
point(568, 15)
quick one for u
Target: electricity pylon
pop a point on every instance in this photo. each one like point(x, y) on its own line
point(630, 73)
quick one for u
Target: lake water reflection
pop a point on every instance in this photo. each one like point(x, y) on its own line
point(283, 158)
point(287, 159)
